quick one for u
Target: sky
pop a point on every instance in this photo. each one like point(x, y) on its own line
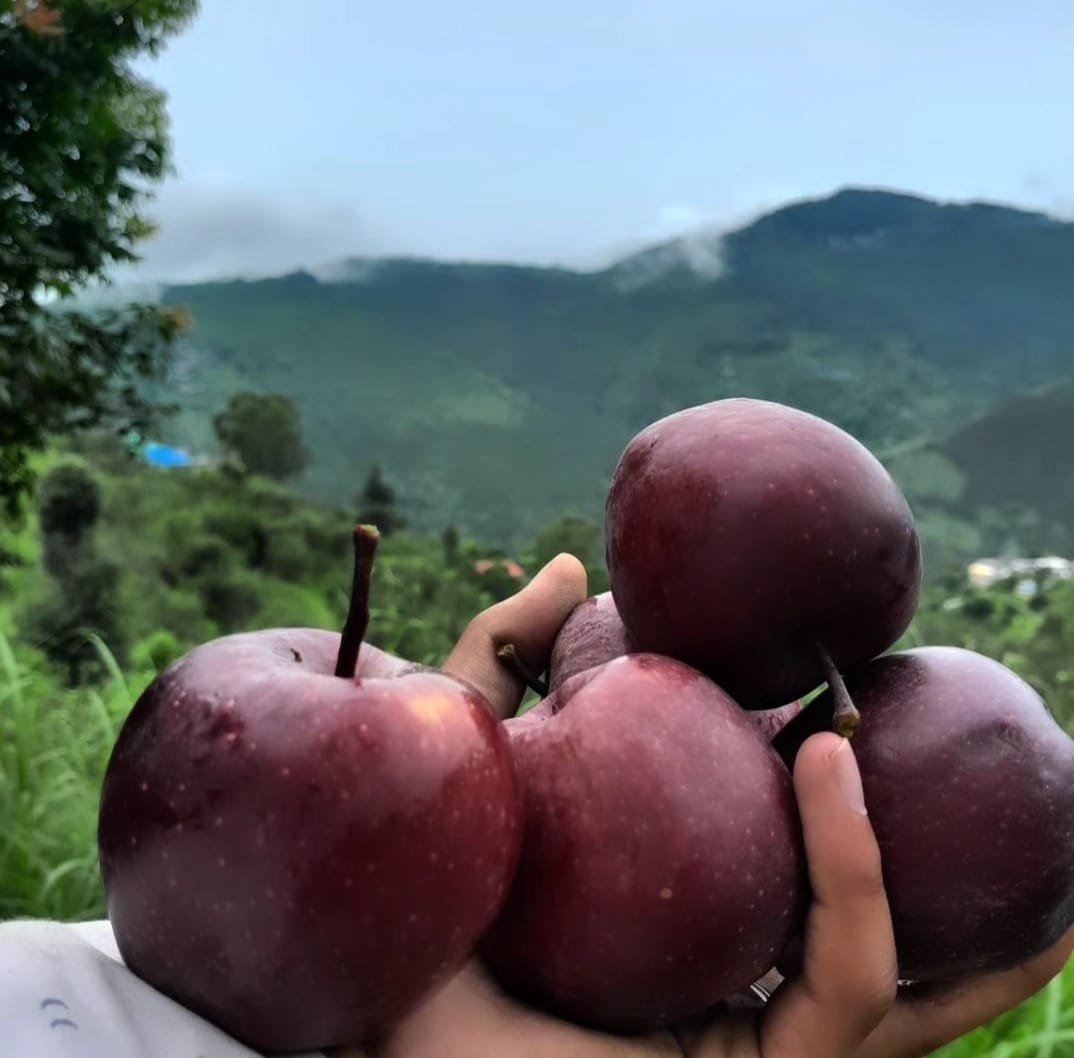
point(567, 132)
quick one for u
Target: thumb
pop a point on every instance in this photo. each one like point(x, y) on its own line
point(530, 620)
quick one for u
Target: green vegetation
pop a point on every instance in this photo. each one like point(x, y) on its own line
point(497, 397)
point(377, 504)
point(82, 139)
point(1033, 634)
point(1040, 1028)
point(201, 552)
point(54, 745)
point(262, 434)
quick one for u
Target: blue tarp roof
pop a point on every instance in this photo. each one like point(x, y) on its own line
point(159, 455)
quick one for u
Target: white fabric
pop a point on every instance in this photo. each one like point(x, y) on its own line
point(65, 993)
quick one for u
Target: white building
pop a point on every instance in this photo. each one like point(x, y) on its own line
point(987, 571)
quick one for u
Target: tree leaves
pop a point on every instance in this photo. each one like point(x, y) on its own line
point(82, 140)
point(263, 433)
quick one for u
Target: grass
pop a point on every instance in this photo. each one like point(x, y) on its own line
point(54, 747)
point(1043, 1027)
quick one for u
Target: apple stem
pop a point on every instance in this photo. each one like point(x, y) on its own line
point(813, 719)
point(508, 655)
point(845, 717)
point(366, 538)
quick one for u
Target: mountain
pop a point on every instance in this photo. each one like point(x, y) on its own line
point(1000, 484)
point(497, 397)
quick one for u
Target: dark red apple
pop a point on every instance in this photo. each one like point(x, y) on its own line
point(662, 867)
point(969, 783)
point(750, 539)
point(594, 634)
point(301, 856)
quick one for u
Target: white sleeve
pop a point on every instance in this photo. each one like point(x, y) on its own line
point(65, 993)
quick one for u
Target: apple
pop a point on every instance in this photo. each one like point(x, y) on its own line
point(591, 635)
point(662, 867)
point(594, 634)
point(969, 783)
point(300, 850)
point(761, 545)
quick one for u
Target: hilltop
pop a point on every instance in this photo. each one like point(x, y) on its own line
point(496, 397)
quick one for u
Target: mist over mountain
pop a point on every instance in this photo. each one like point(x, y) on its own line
point(496, 397)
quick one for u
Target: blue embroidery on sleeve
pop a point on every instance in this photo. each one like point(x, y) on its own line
point(56, 1023)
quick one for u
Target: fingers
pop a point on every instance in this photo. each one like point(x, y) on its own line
point(461, 1018)
point(925, 1019)
point(530, 620)
point(468, 1018)
point(849, 975)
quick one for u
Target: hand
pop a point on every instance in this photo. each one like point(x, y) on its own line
point(843, 1004)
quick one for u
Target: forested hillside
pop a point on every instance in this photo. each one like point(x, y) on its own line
point(496, 397)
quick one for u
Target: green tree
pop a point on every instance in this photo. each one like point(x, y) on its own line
point(377, 505)
point(263, 434)
point(82, 604)
point(68, 504)
point(575, 535)
point(449, 544)
point(82, 138)
point(82, 595)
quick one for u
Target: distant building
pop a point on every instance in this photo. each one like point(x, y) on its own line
point(987, 571)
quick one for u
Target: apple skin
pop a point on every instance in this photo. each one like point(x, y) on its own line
point(662, 867)
point(969, 783)
point(319, 649)
point(741, 534)
point(298, 857)
point(591, 635)
point(594, 634)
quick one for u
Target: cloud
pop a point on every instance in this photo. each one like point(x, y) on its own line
point(211, 232)
point(1043, 193)
point(692, 234)
point(674, 221)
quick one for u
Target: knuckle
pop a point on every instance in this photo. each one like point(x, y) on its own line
point(863, 997)
point(875, 996)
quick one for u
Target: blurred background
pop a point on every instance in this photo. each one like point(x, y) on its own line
point(268, 268)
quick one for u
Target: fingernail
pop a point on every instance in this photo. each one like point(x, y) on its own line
point(848, 776)
point(554, 561)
